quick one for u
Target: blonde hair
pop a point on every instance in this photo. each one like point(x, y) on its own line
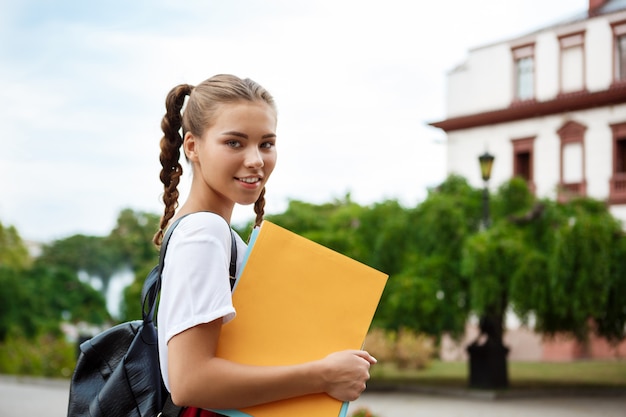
point(204, 100)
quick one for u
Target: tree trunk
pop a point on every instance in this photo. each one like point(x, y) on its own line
point(488, 355)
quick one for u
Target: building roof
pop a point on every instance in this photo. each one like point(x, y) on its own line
point(616, 94)
point(611, 6)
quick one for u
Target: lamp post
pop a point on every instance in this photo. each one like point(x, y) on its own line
point(486, 163)
point(488, 368)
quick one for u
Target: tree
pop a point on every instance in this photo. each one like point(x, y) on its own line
point(35, 298)
point(128, 246)
point(13, 252)
point(429, 293)
point(131, 239)
point(558, 262)
point(572, 274)
point(130, 308)
point(80, 253)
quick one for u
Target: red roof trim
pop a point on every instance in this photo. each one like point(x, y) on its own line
point(520, 110)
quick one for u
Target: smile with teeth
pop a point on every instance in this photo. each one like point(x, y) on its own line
point(250, 180)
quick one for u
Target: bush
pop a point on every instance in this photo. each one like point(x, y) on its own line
point(47, 356)
point(405, 348)
point(381, 344)
point(363, 412)
point(413, 351)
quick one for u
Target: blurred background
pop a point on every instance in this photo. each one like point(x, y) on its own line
point(506, 271)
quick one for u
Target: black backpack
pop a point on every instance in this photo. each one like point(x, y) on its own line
point(118, 373)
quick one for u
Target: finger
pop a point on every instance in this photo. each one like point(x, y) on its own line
point(365, 355)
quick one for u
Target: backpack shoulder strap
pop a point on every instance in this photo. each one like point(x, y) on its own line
point(233, 260)
point(152, 284)
point(169, 408)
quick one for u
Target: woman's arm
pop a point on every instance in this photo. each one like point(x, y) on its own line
point(198, 378)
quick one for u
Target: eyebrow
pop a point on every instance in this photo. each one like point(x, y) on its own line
point(244, 136)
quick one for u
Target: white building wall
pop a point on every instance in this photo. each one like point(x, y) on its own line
point(485, 82)
point(619, 212)
point(458, 81)
point(464, 147)
point(599, 58)
point(546, 66)
point(478, 84)
point(599, 151)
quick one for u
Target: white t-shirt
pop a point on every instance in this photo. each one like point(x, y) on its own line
point(195, 285)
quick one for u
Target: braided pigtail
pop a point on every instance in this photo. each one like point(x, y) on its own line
point(171, 143)
point(259, 208)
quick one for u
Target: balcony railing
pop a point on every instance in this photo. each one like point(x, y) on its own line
point(568, 190)
point(617, 191)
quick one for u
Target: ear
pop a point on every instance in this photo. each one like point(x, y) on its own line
point(190, 146)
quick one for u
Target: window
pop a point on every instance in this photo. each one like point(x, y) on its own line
point(572, 62)
point(524, 65)
point(523, 150)
point(617, 192)
point(619, 39)
point(572, 180)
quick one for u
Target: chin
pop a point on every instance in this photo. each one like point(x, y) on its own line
point(247, 201)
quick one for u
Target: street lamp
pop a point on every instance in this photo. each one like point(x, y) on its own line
point(488, 368)
point(486, 163)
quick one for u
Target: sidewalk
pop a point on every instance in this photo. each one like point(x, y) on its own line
point(37, 396)
point(422, 405)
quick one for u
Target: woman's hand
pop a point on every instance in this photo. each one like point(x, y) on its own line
point(345, 373)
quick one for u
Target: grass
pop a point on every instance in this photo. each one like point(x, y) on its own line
point(522, 375)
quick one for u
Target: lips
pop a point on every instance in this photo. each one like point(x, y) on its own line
point(250, 180)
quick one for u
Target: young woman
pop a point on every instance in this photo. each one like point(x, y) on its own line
point(229, 138)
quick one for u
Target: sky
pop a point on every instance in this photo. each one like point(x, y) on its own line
point(83, 85)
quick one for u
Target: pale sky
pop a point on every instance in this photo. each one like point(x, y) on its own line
point(83, 84)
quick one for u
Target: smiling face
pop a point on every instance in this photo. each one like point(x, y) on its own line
point(234, 158)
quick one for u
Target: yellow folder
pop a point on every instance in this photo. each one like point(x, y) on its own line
point(297, 301)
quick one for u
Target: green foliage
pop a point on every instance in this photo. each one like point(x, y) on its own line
point(411, 301)
point(129, 245)
point(131, 239)
point(583, 278)
point(80, 253)
point(430, 294)
point(13, 252)
point(130, 308)
point(611, 321)
point(561, 264)
point(512, 199)
point(363, 412)
point(14, 303)
point(36, 298)
point(489, 260)
point(35, 301)
point(46, 355)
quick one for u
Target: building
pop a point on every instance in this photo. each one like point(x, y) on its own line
point(549, 105)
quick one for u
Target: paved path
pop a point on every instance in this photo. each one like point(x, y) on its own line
point(421, 405)
point(34, 397)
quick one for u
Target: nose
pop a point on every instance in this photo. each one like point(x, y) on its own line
point(254, 158)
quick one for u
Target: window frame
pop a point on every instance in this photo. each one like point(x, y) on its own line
point(569, 41)
point(619, 71)
point(519, 53)
point(521, 146)
point(617, 183)
point(572, 132)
